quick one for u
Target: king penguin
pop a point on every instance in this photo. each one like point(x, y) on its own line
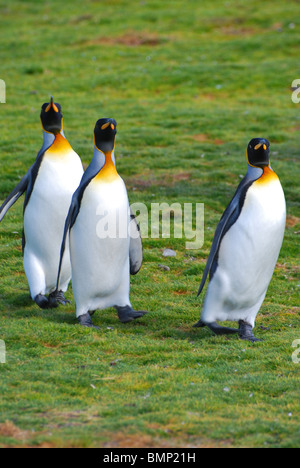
point(245, 248)
point(105, 241)
point(49, 185)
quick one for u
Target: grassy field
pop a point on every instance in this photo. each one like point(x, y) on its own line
point(189, 83)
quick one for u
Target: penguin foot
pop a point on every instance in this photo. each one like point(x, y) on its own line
point(86, 321)
point(199, 324)
point(127, 314)
point(56, 298)
point(42, 301)
point(245, 331)
point(217, 329)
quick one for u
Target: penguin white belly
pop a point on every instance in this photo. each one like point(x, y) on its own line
point(44, 220)
point(247, 256)
point(100, 257)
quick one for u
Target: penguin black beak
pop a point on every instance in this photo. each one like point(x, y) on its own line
point(51, 105)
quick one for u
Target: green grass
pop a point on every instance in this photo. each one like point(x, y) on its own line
point(189, 83)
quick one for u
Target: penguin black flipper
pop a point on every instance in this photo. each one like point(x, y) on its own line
point(25, 185)
point(228, 218)
point(70, 220)
point(136, 246)
point(32, 175)
point(15, 195)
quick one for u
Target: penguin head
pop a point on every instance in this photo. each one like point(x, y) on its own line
point(258, 152)
point(51, 117)
point(104, 135)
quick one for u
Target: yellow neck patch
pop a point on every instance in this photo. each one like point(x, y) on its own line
point(108, 173)
point(267, 177)
point(59, 147)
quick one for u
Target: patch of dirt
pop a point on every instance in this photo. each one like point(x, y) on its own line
point(115, 440)
point(289, 271)
point(52, 346)
point(207, 96)
point(238, 31)
point(121, 440)
point(292, 221)
point(180, 176)
point(81, 18)
point(130, 39)
point(296, 128)
point(293, 311)
point(276, 26)
point(287, 267)
point(203, 137)
point(181, 292)
point(131, 441)
point(8, 429)
point(139, 183)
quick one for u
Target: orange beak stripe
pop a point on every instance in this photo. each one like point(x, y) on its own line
point(54, 107)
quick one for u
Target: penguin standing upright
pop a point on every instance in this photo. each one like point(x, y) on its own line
point(245, 248)
point(103, 254)
point(49, 185)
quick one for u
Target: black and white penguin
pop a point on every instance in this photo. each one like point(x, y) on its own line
point(49, 185)
point(245, 247)
point(105, 242)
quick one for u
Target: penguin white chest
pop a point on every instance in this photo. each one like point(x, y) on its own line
point(250, 248)
point(53, 189)
point(44, 219)
point(248, 255)
point(58, 177)
point(99, 245)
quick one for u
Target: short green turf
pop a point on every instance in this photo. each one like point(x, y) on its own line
point(189, 83)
